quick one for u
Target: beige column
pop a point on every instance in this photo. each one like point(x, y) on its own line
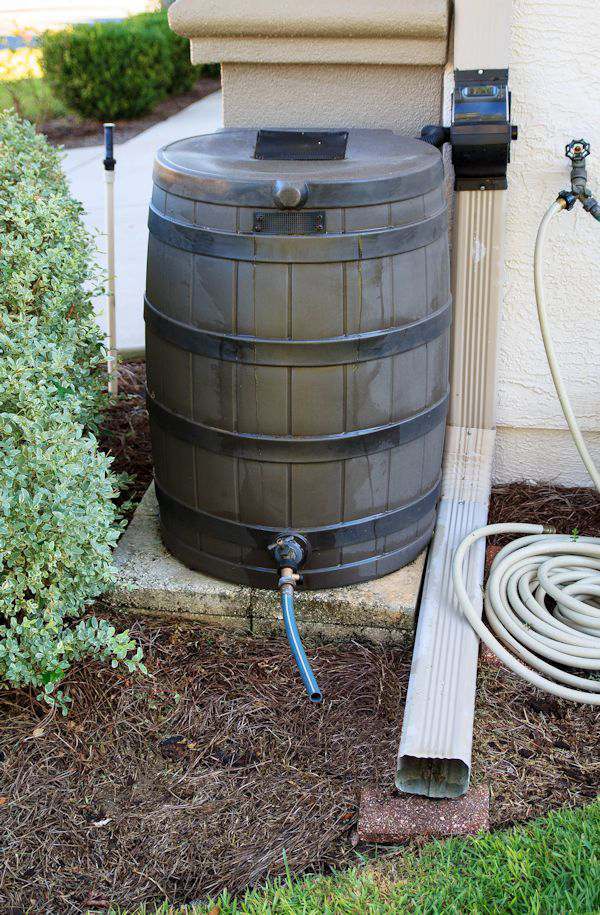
point(322, 64)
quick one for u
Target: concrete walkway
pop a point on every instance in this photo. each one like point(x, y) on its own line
point(133, 186)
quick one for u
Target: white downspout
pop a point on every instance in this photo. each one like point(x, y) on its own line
point(435, 748)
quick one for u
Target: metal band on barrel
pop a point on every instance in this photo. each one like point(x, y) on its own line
point(321, 538)
point(288, 249)
point(343, 350)
point(288, 449)
point(345, 573)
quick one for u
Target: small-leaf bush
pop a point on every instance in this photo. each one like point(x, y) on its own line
point(111, 70)
point(58, 520)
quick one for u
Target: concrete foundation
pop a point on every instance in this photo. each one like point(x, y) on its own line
point(152, 583)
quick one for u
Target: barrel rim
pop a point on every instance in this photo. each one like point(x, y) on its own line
point(327, 190)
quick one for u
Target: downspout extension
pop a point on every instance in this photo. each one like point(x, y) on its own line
point(291, 552)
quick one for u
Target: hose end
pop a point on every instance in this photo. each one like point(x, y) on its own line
point(548, 529)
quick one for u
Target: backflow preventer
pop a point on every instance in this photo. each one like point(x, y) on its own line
point(297, 322)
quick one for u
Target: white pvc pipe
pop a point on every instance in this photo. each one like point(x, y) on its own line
point(542, 565)
point(113, 379)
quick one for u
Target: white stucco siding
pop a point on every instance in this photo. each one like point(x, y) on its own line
point(555, 82)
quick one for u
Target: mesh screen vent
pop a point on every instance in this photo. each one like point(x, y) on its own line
point(289, 222)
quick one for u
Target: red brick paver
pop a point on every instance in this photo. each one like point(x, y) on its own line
point(389, 819)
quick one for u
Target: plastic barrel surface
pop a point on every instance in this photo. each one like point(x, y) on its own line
point(297, 337)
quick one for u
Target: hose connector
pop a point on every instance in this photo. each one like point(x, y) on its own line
point(567, 199)
point(290, 552)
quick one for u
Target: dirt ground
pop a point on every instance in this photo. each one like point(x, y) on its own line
point(76, 131)
point(125, 433)
point(214, 770)
point(203, 774)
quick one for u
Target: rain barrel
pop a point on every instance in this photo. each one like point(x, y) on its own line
point(297, 328)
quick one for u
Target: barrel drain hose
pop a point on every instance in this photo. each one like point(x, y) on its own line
point(290, 552)
point(542, 599)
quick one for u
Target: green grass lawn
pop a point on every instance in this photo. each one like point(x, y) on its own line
point(549, 867)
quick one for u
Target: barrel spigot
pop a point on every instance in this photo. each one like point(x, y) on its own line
point(290, 552)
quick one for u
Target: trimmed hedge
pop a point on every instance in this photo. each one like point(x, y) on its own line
point(107, 70)
point(58, 520)
point(184, 74)
point(112, 70)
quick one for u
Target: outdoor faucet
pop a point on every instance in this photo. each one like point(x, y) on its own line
point(578, 151)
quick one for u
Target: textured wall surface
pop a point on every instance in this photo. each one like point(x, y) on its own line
point(337, 31)
point(289, 19)
point(555, 83)
point(331, 95)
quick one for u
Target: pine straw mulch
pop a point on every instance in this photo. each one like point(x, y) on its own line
point(204, 774)
point(214, 770)
point(125, 433)
point(566, 508)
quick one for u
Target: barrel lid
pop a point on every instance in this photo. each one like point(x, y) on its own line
point(380, 166)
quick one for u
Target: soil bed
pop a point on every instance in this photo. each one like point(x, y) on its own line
point(74, 131)
point(567, 509)
point(125, 433)
point(201, 775)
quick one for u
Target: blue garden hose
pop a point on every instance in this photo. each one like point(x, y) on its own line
point(289, 618)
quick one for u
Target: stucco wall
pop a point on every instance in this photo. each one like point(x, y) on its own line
point(555, 83)
point(331, 95)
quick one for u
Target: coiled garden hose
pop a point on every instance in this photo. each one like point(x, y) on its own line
point(544, 639)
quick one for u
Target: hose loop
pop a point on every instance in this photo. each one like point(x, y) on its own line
point(542, 599)
point(533, 605)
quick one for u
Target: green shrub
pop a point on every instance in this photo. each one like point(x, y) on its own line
point(112, 70)
point(183, 73)
point(47, 326)
point(58, 521)
point(108, 70)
